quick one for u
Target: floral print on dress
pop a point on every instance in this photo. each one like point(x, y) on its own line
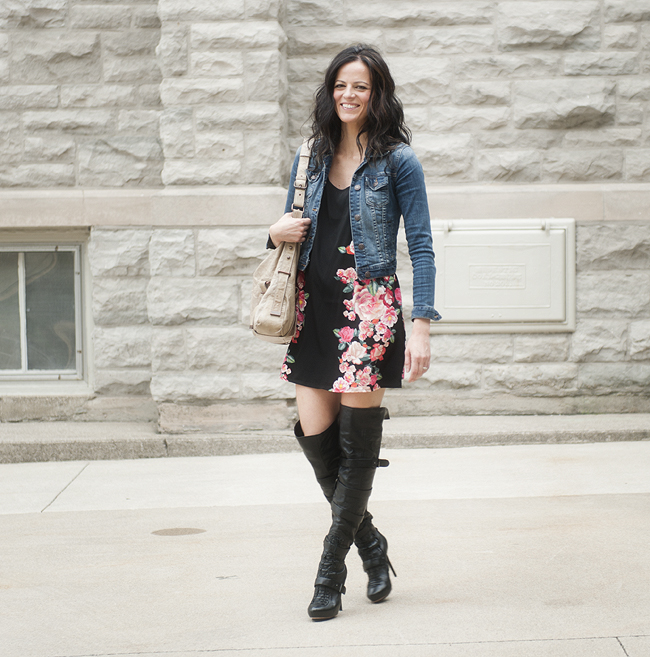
point(349, 249)
point(376, 304)
point(301, 304)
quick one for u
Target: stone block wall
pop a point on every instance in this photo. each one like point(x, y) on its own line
point(546, 97)
point(223, 92)
point(99, 93)
point(79, 93)
point(511, 91)
point(171, 321)
point(603, 366)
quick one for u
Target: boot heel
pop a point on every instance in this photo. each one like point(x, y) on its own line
point(373, 550)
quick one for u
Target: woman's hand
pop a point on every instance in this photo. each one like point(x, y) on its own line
point(289, 229)
point(418, 351)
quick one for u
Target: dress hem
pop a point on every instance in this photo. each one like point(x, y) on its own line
point(329, 389)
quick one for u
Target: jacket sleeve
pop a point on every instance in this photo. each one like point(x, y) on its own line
point(411, 195)
point(290, 193)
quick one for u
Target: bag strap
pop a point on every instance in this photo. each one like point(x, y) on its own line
point(301, 180)
point(285, 267)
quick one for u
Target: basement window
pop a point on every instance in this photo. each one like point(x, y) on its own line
point(40, 313)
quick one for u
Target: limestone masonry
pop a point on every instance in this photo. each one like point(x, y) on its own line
point(159, 135)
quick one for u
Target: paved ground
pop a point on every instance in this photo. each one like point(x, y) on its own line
point(505, 551)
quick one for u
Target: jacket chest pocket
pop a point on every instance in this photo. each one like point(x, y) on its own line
point(376, 190)
point(312, 180)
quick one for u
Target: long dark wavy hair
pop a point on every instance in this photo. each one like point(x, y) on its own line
point(384, 126)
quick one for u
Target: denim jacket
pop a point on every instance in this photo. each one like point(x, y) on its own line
point(380, 193)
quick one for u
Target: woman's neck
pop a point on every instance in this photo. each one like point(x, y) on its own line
point(348, 147)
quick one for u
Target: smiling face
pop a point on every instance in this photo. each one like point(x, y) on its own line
point(352, 89)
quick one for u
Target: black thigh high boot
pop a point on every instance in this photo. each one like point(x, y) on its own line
point(323, 451)
point(360, 441)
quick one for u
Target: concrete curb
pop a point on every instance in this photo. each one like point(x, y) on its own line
point(80, 441)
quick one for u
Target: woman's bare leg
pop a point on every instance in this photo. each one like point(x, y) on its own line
point(362, 399)
point(317, 408)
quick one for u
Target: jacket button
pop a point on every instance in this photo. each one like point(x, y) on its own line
point(357, 187)
point(361, 247)
point(357, 217)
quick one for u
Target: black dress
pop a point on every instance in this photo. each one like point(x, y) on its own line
point(350, 335)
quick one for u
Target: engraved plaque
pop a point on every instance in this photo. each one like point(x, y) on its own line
point(495, 277)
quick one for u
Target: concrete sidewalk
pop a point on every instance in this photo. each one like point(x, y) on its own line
point(507, 551)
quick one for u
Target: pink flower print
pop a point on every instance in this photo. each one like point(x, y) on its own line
point(349, 249)
point(346, 334)
point(366, 305)
point(354, 353)
point(366, 329)
point(390, 316)
point(284, 370)
point(346, 276)
point(377, 352)
point(345, 367)
point(349, 313)
point(302, 300)
point(340, 385)
point(349, 377)
point(383, 332)
point(398, 295)
point(388, 297)
point(364, 377)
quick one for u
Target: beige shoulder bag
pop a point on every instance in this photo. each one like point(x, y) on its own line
point(273, 303)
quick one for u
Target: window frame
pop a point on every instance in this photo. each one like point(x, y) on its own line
point(25, 374)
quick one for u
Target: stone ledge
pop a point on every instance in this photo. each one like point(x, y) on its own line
point(200, 206)
point(242, 205)
point(64, 441)
point(24, 442)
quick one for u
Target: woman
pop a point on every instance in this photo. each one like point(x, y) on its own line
point(350, 342)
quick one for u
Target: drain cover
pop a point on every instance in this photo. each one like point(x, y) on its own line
point(178, 531)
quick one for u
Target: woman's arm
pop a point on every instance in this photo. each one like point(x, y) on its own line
point(412, 199)
point(288, 228)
